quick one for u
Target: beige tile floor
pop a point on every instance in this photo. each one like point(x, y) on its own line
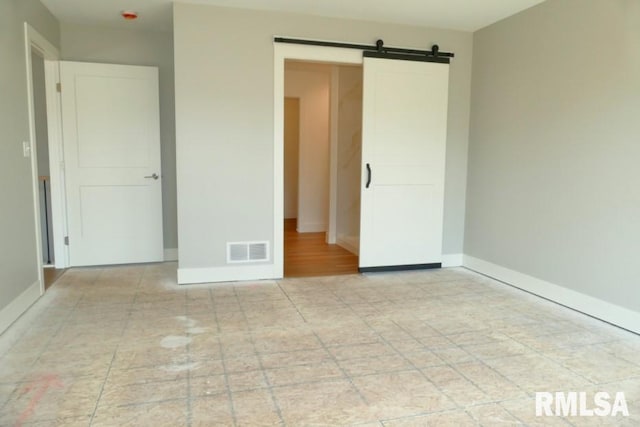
point(127, 346)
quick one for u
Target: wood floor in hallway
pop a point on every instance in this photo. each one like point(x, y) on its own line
point(51, 275)
point(307, 254)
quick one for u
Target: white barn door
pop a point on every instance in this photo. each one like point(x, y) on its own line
point(403, 160)
point(110, 117)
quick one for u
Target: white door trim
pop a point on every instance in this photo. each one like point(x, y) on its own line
point(282, 52)
point(34, 40)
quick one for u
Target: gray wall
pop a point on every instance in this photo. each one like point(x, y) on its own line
point(129, 47)
point(224, 120)
point(18, 268)
point(553, 189)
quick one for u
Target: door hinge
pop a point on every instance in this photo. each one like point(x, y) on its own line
point(66, 240)
point(59, 87)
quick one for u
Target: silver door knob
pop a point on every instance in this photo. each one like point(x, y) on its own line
point(154, 176)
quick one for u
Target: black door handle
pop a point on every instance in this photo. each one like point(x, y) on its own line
point(368, 175)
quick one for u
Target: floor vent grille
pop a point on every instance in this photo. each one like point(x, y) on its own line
point(238, 252)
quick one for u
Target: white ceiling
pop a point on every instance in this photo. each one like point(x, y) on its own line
point(466, 15)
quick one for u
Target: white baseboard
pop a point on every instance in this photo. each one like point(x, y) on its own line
point(311, 227)
point(11, 312)
point(171, 254)
point(350, 243)
point(620, 316)
point(330, 238)
point(451, 260)
point(226, 274)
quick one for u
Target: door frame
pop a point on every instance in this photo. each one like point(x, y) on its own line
point(33, 40)
point(282, 52)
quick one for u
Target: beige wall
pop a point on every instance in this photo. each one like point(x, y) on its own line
point(129, 47)
point(553, 163)
point(349, 156)
point(18, 268)
point(291, 156)
point(311, 83)
point(225, 118)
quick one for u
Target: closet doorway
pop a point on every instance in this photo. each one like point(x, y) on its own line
point(322, 157)
point(403, 146)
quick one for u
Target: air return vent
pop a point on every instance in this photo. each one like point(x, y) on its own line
point(247, 252)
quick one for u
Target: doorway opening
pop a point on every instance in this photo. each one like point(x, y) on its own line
point(50, 273)
point(322, 168)
point(44, 149)
point(404, 134)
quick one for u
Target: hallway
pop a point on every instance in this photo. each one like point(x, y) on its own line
point(307, 254)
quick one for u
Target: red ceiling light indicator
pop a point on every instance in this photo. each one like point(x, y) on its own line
point(129, 15)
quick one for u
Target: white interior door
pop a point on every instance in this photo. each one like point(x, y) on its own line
point(403, 160)
point(110, 116)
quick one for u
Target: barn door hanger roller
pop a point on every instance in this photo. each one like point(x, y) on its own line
point(433, 55)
